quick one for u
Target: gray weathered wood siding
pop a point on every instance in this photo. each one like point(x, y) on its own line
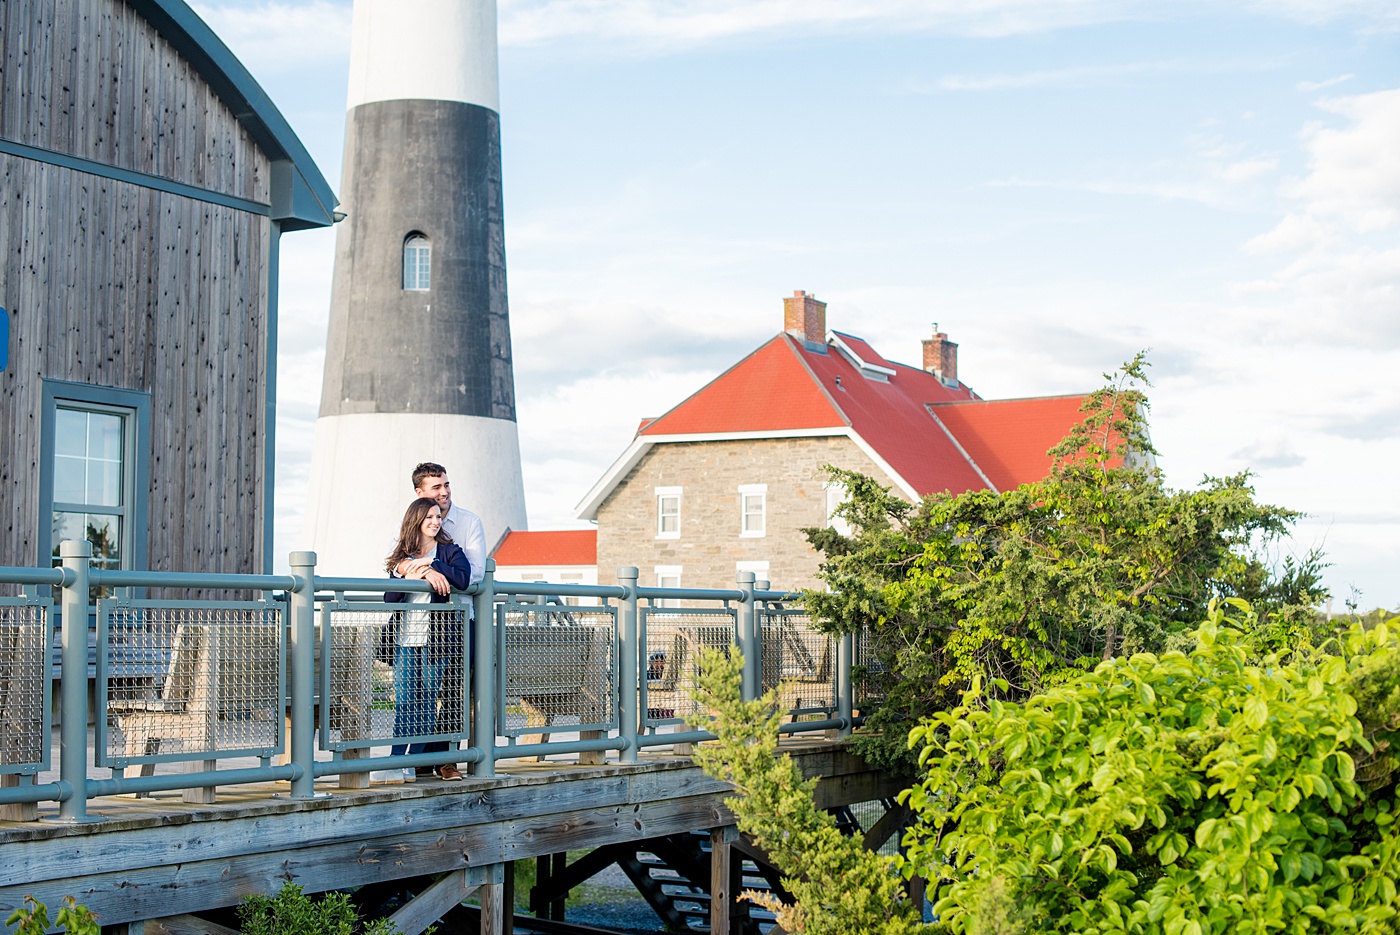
point(91, 78)
point(115, 284)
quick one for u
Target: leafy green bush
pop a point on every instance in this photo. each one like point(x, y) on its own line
point(1177, 794)
point(839, 887)
point(33, 918)
point(292, 912)
point(1031, 586)
point(1228, 790)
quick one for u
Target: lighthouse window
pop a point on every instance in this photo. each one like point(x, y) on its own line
point(417, 262)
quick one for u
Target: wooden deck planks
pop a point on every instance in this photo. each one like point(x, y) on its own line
point(157, 857)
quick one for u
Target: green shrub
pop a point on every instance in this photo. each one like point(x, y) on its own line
point(292, 912)
point(33, 918)
point(1177, 794)
point(1221, 791)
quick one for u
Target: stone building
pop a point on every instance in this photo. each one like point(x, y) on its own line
point(727, 480)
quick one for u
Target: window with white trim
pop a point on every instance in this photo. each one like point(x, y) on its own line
point(668, 576)
point(417, 263)
point(668, 512)
point(752, 510)
point(93, 484)
point(835, 496)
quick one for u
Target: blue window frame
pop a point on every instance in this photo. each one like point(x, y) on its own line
point(94, 474)
point(417, 263)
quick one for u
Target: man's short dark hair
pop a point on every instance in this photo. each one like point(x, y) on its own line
point(427, 469)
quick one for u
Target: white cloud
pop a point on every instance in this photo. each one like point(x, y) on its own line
point(271, 36)
point(1275, 452)
point(1343, 276)
point(1307, 87)
point(661, 24)
point(1354, 172)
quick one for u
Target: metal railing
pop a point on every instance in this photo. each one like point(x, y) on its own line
point(324, 665)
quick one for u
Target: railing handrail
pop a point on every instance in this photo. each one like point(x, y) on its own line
point(628, 729)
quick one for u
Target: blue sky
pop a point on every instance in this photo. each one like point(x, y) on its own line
point(1058, 184)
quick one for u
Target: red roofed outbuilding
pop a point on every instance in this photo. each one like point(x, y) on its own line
point(726, 480)
point(560, 556)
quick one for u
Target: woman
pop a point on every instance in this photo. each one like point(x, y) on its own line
point(424, 645)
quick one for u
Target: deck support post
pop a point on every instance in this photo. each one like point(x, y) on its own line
point(73, 733)
point(628, 666)
point(302, 672)
point(721, 877)
point(493, 902)
point(483, 674)
point(748, 637)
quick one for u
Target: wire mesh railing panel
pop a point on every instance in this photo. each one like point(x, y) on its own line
point(392, 674)
point(560, 669)
point(869, 667)
point(188, 681)
point(24, 686)
point(799, 660)
point(674, 640)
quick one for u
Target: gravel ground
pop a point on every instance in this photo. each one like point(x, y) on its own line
point(609, 900)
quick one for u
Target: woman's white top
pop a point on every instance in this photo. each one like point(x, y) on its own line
point(414, 631)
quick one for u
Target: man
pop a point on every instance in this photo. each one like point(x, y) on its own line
point(465, 529)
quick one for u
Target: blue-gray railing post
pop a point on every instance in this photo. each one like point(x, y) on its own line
point(302, 671)
point(484, 673)
point(73, 733)
point(845, 687)
point(748, 637)
point(628, 663)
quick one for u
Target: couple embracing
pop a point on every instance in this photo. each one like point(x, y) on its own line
point(445, 545)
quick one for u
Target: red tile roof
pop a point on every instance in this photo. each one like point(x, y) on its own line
point(892, 419)
point(931, 436)
point(549, 547)
point(769, 390)
point(1008, 438)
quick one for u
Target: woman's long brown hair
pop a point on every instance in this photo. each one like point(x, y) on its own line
point(411, 532)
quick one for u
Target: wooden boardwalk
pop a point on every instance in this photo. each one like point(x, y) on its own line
point(158, 856)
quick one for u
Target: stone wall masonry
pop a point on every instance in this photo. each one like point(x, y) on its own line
point(709, 473)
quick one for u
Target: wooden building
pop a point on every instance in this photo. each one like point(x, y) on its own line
point(145, 181)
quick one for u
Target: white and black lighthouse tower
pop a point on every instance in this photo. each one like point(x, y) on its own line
point(418, 353)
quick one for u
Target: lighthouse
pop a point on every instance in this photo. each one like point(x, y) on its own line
point(418, 353)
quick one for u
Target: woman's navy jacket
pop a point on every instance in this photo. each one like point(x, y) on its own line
point(452, 563)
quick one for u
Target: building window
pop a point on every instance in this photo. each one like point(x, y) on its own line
point(94, 482)
point(752, 507)
point(668, 512)
point(417, 263)
point(668, 576)
point(835, 496)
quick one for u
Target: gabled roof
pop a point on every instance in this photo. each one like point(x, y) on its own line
point(548, 547)
point(1008, 438)
point(767, 390)
point(893, 412)
point(301, 196)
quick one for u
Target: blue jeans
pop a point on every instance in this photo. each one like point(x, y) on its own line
point(417, 680)
point(420, 675)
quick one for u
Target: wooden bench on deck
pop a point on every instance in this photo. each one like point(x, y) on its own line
point(558, 671)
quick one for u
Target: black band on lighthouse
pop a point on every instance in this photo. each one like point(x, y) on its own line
point(431, 168)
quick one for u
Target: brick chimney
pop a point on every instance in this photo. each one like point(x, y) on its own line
point(941, 356)
point(804, 317)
